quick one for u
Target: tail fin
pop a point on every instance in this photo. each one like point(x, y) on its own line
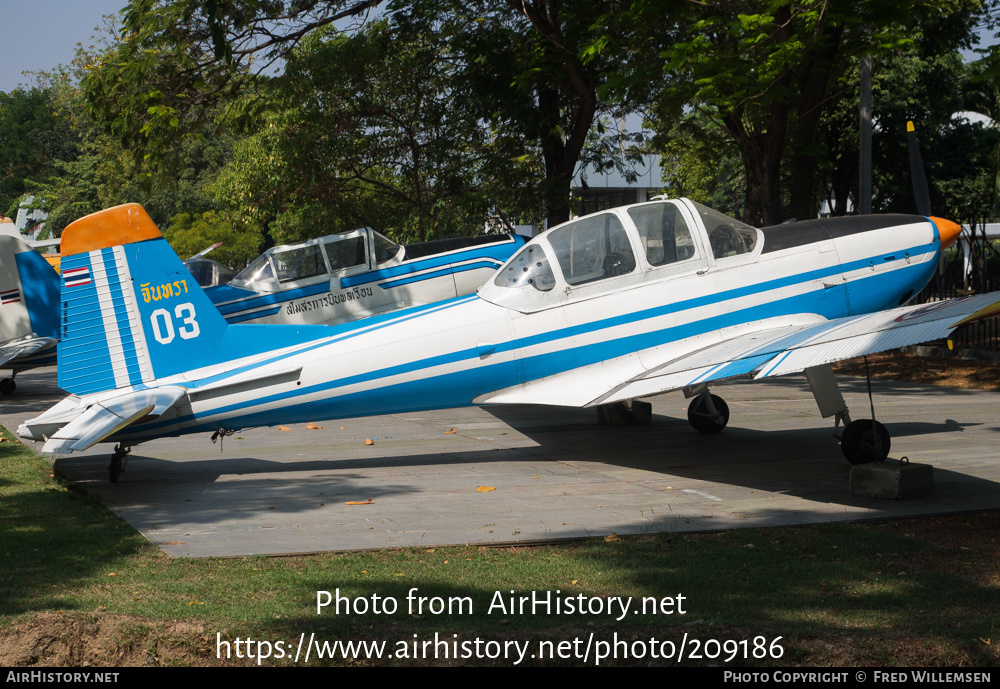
point(131, 312)
point(29, 292)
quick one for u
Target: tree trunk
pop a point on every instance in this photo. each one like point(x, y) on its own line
point(813, 85)
point(761, 156)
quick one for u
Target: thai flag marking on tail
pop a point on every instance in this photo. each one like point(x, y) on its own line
point(10, 297)
point(77, 277)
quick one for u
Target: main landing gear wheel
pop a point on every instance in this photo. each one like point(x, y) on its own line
point(702, 418)
point(864, 441)
point(8, 386)
point(117, 465)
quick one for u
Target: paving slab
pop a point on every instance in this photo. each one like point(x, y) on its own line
point(554, 472)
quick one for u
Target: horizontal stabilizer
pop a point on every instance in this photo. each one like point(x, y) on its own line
point(22, 347)
point(110, 416)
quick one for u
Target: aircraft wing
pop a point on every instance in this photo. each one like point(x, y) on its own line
point(765, 349)
point(110, 415)
point(14, 348)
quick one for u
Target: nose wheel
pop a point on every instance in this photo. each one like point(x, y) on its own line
point(8, 386)
point(708, 413)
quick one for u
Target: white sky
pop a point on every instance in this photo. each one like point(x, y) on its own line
point(42, 34)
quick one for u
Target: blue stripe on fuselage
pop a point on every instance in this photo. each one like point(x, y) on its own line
point(338, 333)
point(454, 269)
point(254, 300)
point(263, 313)
point(443, 261)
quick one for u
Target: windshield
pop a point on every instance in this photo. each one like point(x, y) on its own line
point(258, 271)
point(385, 248)
point(727, 236)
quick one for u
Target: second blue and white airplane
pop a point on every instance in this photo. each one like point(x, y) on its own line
point(608, 308)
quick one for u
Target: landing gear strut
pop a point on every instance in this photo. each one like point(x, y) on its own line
point(708, 413)
point(118, 461)
point(865, 440)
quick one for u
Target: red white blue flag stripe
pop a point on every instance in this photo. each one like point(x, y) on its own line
point(77, 277)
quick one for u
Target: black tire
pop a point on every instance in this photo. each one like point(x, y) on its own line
point(701, 420)
point(115, 468)
point(8, 386)
point(864, 441)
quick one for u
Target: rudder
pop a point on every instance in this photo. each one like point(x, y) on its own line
point(131, 312)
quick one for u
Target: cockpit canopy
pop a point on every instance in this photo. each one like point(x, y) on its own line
point(647, 238)
point(209, 273)
point(335, 255)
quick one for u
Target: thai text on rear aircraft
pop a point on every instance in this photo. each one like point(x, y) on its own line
point(329, 299)
point(164, 291)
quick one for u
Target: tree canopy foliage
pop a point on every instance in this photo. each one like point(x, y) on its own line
point(277, 120)
point(767, 72)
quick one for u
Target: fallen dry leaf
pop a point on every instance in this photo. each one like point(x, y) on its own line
point(486, 489)
point(369, 441)
point(611, 537)
point(451, 432)
point(369, 501)
point(313, 427)
point(284, 428)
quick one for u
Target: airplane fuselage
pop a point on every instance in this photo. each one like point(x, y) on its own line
point(504, 343)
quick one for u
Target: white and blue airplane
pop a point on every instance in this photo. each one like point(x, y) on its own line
point(605, 309)
point(29, 309)
point(357, 274)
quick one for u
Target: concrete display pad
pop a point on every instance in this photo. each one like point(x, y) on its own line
point(555, 473)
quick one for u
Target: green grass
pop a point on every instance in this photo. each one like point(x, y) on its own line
point(918, 592)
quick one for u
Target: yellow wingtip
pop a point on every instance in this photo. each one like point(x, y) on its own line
point(991, 310)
